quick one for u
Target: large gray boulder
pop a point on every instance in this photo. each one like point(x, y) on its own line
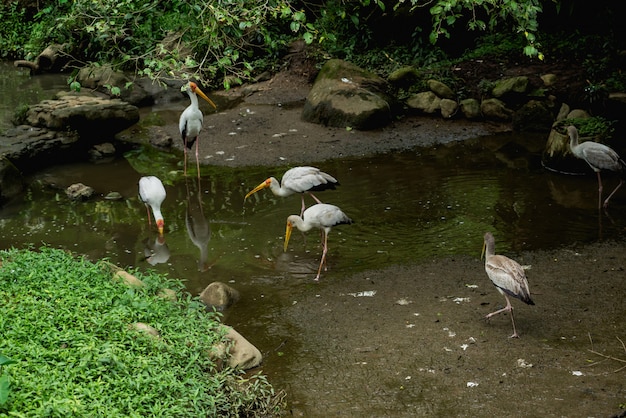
point(94, 118)
point(345, 95)
point(26, 148)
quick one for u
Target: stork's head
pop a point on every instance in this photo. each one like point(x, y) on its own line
point(160, 226)
point(192, 88)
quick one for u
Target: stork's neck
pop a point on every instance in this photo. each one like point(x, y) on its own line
point(277, 188)
point(490, 249)
point(194, 98)
point(156, 211)
point(299, 223)
point(573, 138)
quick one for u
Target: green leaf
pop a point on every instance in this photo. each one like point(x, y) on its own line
point(225, 61)
point(530, 51)
point(75, 86)
point(4, 360)
point(436, 10)
point(285, 11)
point(5, 388)
point(299, 16)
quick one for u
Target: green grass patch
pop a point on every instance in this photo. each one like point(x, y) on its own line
point(66, 325)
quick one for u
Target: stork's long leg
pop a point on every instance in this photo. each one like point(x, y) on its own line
point(185, 160)
point(149, 218)
point(507, 308)
point(314, 198)
point(599, 190)
point(606, 202)
point(323, 260)
point(303, 205)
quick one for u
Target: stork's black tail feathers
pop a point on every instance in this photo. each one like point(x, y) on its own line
point(324, 186)
point(523, 295)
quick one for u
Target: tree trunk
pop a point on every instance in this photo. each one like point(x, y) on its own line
point(51, 60)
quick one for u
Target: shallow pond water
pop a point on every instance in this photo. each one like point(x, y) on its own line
point(408, 207)
point(19, 89)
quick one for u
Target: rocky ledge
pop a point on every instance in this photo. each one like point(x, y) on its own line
point(68, 128)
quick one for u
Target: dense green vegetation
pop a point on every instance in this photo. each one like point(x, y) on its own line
point(67, 348)
point(227, 42)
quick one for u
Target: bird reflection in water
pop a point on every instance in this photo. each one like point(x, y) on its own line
point(156, 252)
point(198, 227)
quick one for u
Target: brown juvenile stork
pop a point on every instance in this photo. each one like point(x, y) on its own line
point(507, 276)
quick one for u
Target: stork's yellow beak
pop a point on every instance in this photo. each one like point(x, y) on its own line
point(204, 96)
point(287, 235)
point(482, 254)
point(160, 226)
point(261, 186)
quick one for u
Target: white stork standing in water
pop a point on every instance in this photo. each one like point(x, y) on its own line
point(507, 276)
point(152, 194)
point(298, 180)
point(322, 216)
point(190, 122)
point(599, 157)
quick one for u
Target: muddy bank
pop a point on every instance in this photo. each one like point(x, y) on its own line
point(261, 125)
point(419, 344)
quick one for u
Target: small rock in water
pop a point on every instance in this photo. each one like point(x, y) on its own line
point(113, 196)
point(79, 191)
point(101, 151)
